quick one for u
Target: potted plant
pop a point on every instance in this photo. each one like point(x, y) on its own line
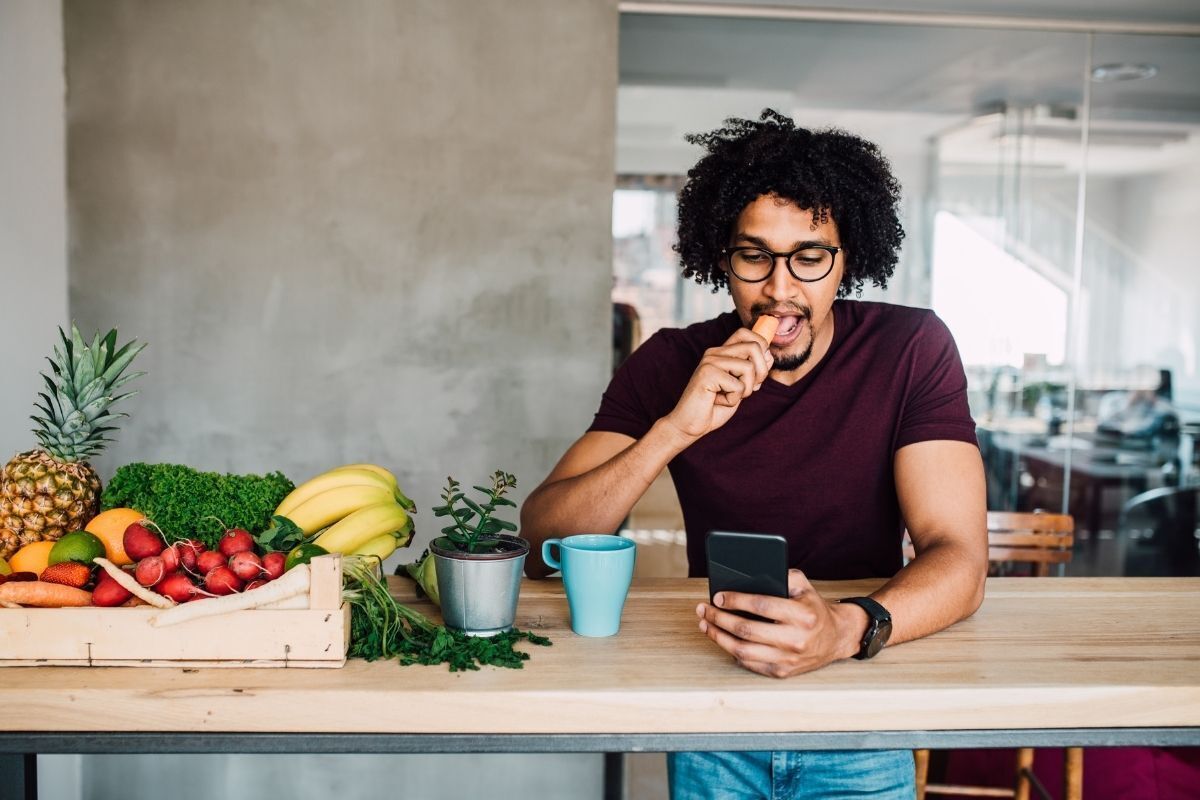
point(478, 565)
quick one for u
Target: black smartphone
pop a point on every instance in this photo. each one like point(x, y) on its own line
point(753, 563)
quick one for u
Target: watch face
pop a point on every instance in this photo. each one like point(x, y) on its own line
point(882, 634)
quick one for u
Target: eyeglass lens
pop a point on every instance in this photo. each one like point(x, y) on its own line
point(751, 264)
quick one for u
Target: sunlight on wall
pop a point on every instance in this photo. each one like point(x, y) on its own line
point(997, 307)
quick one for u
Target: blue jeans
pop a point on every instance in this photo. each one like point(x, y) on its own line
point(804, 775)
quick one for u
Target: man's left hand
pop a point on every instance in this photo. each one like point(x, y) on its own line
point(807, 631)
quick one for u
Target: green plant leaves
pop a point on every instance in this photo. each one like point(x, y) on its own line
point(474, 522)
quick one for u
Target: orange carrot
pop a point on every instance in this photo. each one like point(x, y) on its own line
point(765, 326)
point(44, 595)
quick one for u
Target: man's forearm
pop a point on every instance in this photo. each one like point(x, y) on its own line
point(943, 585)
point(596, 501)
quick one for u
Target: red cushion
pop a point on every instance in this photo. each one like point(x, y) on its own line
point(1109, 773)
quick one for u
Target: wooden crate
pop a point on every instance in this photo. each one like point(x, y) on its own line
point(317, 636)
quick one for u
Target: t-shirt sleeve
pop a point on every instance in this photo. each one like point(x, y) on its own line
point(936, 406)
point(632, 402)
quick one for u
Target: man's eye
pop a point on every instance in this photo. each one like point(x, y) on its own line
point(754, 258)
point(810, 257)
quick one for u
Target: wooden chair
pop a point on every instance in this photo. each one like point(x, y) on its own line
point(1039, 540)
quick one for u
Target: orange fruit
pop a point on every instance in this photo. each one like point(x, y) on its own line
point(110, 527)
point(33, 557)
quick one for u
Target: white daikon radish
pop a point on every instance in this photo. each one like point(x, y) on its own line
point(294, 582)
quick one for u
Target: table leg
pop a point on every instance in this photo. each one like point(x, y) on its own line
point(614, 776)
point(18, 776)
point(1095, 507)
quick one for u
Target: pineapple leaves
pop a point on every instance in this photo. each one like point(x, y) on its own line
point(110, 342)
point(124, 379)
point(119, 361)
point(53, 407)
point(80, 391)
point(90, 391)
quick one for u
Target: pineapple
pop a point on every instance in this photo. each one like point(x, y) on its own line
point(48, 492)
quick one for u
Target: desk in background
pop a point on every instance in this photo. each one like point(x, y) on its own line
point(1026, 469)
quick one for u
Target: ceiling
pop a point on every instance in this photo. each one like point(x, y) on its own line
point(1152, 11)
point(684, 73)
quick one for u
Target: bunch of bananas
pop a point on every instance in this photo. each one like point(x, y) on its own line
point(358, 509)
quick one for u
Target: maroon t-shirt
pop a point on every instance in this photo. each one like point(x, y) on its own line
point(811, 462)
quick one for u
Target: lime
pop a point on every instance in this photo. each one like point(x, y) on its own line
point(78, 546)
point(302, 554)
point(5, 569)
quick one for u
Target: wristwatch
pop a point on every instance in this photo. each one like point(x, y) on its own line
point(879, 626)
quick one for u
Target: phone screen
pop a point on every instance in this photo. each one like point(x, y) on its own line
point(752, 563)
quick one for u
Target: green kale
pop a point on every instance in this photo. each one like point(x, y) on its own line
point(187, 503)
point(382, 628)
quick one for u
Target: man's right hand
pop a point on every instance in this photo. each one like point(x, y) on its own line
point(597, 481)
point(725, 376)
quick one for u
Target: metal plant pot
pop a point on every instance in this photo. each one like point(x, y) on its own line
point(479, 591)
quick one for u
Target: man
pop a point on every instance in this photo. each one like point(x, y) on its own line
point(850, 426)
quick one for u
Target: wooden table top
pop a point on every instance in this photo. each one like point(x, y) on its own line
point(1040, 653)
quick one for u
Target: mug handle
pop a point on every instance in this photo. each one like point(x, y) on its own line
point(551, 562)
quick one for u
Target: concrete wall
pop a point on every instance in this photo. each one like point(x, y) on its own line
point(33, 209)
point(33, 243)
point(371, 231)
point(349, 231)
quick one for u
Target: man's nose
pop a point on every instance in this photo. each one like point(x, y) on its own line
point(781, 285)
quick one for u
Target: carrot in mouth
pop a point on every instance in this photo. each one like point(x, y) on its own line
point(765, 326)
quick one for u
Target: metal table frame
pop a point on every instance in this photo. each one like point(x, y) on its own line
point(18, 750)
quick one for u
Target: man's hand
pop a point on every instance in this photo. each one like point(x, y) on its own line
point(725, 376)
point(808, 632)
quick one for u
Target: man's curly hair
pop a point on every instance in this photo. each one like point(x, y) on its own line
point(831, 172)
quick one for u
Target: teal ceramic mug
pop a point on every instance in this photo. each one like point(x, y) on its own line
point(597, 570)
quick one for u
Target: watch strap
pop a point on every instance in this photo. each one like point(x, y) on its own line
point(879, 626)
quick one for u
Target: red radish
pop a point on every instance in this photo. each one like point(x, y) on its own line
point(255, 584)
point(246, 565)
point(180, 554)
point(170, 558)
point(141, 542)
point(209, 560)
point(178, 587)
point(235, 540)
point(273, 564)
point(195, 546)
point(109, 593)
point(221, 580)
point(150, 571)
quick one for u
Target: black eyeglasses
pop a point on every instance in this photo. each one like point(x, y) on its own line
point(808, 263)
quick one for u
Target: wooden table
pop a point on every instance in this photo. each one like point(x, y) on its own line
point(1050, 661)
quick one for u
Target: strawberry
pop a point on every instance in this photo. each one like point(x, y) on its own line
point(68, 573)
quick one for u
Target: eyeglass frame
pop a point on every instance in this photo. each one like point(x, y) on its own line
point(727, 252)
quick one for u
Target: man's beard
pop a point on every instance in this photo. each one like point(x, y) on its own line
point(789, 363)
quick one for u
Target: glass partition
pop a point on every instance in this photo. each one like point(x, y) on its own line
point(1078, 333)
point(1134, 478)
